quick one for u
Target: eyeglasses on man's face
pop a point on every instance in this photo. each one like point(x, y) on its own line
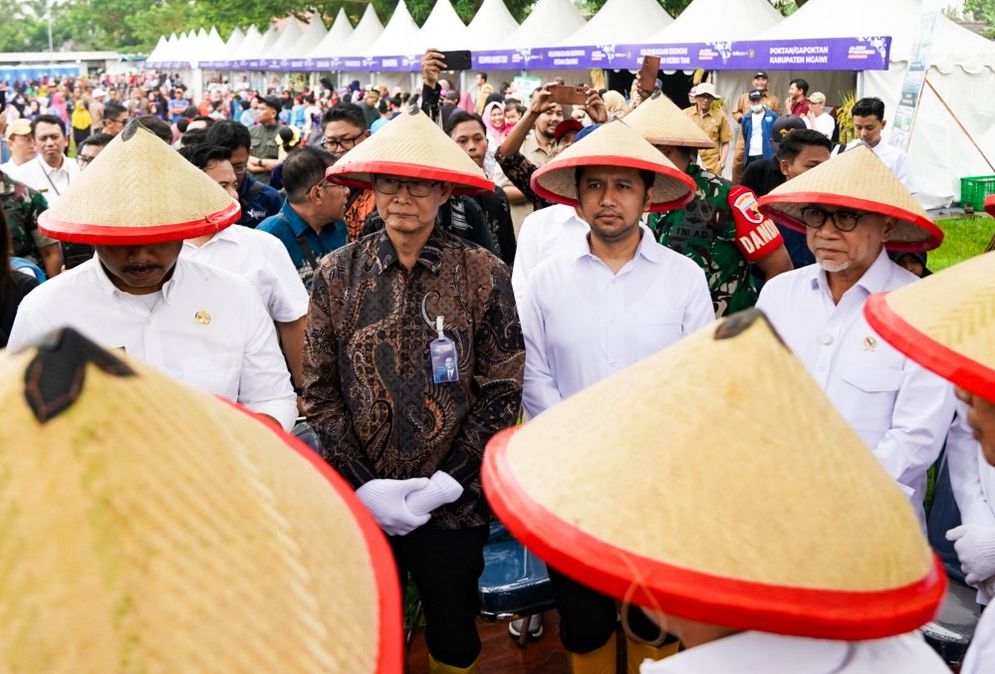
point(392, 185)
point(340, 143)
point(844, 221)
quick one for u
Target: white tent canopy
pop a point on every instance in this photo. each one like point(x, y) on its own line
point(367, 31)
point(443, 29)
point(399, 32)
point(289, 34)
point(491, 25)
point(249, 47)
point(549, 22)
point(270, 37)
point(962, 69)
point(159, 51)
point(336, 36)
point(720, 20)
point(310, 38)
point(622, 21)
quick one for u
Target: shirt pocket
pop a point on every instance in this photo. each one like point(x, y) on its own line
point(217, 374)
point(871, 395)
point(656, 330)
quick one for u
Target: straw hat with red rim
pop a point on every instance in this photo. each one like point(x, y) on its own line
point(858, 180)
point(945, 322)
point(150, 527)
point(661, 122)
point(411, 146)
point(724, 523)
point(613, 144)
point(139, 190)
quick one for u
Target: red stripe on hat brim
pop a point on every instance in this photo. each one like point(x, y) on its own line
point(768, 206)
point(990, 205)
point(953, 366)
point(821, 614)
point(617, 162)
point(390, 658)
point(109, 235)
point(463, 183)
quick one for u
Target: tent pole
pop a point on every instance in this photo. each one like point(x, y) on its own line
point(957, 120)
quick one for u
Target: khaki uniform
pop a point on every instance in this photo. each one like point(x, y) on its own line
point(716, 125)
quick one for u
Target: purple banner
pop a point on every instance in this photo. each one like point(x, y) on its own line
point(856, 53)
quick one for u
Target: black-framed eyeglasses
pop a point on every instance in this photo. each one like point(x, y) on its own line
point(344, 143)
point(83, 160)
point(240, 167)
point(416, 188)
point(844, 221)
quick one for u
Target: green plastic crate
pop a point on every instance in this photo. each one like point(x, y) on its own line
point(974, 190)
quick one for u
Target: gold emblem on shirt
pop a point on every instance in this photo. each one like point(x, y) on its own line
point(870, 343)
point(202, 317)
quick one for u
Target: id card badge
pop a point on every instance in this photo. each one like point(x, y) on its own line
point(443, 354)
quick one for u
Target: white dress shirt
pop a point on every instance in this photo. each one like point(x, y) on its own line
point(544, 232)
point(899, 409)
point(581, 322)
point(980, 658)
point(895, 159)
point(824, 124)
point(51, 182)
point(209, 330)
point(766, 653)
point(263, 261)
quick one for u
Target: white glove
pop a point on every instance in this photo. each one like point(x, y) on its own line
point(441, 489)
point(975, 548)
point(385, 501)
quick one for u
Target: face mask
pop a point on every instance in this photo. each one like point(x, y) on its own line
point(756, 107)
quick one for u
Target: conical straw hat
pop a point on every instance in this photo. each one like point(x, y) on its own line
point(149, 527)
point(990, 204)
point(711, 507)
point(139, 190)
point(613, 144)
point(855, 179)
point(412, 146)
point(946, 322)
point(661, 122)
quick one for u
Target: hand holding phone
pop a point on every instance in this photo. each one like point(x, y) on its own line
point(565, 94)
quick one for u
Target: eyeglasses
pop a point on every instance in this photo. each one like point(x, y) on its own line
point(844, 221)
point(416, 188)
point(240, 167)
point(340, 143)
point(83, 160)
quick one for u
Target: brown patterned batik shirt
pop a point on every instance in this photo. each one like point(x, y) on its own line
point(368, 384)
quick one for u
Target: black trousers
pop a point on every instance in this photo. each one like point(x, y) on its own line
point(588, 618)
point(445, 565)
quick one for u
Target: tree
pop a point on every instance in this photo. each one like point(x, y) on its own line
point(983, 11)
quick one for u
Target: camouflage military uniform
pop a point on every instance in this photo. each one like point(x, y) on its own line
point(705, 231)
point(23, 205)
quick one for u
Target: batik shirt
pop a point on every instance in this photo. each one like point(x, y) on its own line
point(368, 378)
point(723, 232)
point(23, 205)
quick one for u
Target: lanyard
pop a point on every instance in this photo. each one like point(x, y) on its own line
point(49, 177)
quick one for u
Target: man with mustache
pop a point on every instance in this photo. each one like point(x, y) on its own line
point(197, 323)
point(606, 301)
point(853, 209)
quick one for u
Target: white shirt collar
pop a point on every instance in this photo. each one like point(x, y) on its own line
point(647, 247)
point(874, 280)
point(51, 169)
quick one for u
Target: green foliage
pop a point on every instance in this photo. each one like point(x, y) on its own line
point(962, 238)
point(984, 11)
point(135, 25)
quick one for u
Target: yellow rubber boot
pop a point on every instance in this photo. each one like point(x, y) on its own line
point(436, 667)
point(637, 651)
point(598, 661)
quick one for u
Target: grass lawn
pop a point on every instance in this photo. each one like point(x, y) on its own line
point(964, 237)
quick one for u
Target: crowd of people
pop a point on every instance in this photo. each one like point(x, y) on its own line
point(398, 277)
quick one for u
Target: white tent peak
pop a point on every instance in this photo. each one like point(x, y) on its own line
point(491, 25)
point(624, 21)
point(366, 33)
point(443, 29)
point(399, 33)
point(721, 20)
point(309, 39)
point(336, 36)
point(549, 22)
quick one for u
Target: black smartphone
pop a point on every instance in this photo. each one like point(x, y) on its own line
point(457, 60)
